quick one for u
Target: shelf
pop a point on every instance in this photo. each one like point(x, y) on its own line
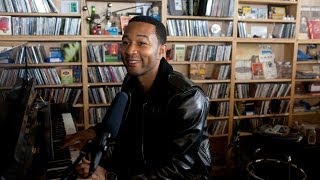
point(219, 99)
point(59, 85)
point(266, 21)
point(206, 81)
point(77, 105)
point(105, 84)
point(41, 65)
point(99, 38)
point(99, 105)
point(105, 64)
point(308, 80)
point(308, 62)
point(262, 80)
point(283, 49)
point(41, 14)
point(209, 18)
point(197, 39)
point(260, 116)
point(41, 38)
point(283, 2)
point(306, 113)
point(260, 99)
point(214, 118)
point(197, 62)
point(308, 41)
point(307, 96)
point(266, 40)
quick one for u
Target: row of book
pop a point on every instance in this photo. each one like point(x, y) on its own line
point(262, 90)
point(219, 8)
point(218, 90)
point(51, 26)
point(61, 95)
point(219, 109)
point(279, 30)
point(266, 69)
point(250, 125)
point(200, 52)
point(103, 95)
point(37, 54)
point(42, 76)
point(284, 30)
point(28, 6)
point(305, 106)
point(307, 75)
point(106, 74)
point(274, 106)
point(106, 52)
point(185, 27)
point(96, 115)
point(198, 71)
point(218, 127)
point(221, 72)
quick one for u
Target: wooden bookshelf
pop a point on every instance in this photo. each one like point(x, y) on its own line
point(284, 49)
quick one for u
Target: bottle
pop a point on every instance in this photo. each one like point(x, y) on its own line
point(92, 27)
point(312, 136)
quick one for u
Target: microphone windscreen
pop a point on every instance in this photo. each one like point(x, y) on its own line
point(112, 120)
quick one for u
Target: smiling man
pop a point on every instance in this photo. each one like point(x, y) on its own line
point(164, 131)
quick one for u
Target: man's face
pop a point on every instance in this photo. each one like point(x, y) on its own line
point(141, 51)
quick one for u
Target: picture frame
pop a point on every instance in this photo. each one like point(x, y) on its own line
point(133, 14)
point(277, 12)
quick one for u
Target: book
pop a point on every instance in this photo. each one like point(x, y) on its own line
point(243, 69)
point(5, 54)
point(314, 28)
point(76, 70)
point(257, 70)
point(194, 71)
point(269, 66)
point(70, 127)
point(66, 76)
point(5, 26)
point(179, 51)
point(71, 52)
point(77, 99)
point(70, 6)
point(55, 54)
point(197, 71)
point(175, 7)
point(124, 20)
point(111, 52)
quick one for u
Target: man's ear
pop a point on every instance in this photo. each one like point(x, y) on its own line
point(163, 50)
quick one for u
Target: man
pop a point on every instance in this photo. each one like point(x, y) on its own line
point(164, 133)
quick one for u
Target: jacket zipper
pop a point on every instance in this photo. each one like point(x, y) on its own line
point(142, 134)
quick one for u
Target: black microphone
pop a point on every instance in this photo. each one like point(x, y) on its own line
point(109, 127)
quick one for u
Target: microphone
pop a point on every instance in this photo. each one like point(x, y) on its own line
point(109, 127)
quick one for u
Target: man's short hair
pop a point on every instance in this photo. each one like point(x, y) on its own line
point(161, 32)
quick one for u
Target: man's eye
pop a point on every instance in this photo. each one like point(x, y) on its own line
point(125, 42)
point(142, 43)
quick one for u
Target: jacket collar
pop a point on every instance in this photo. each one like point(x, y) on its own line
point(159, 84)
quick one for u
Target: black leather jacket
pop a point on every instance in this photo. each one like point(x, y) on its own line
point(164, 135)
